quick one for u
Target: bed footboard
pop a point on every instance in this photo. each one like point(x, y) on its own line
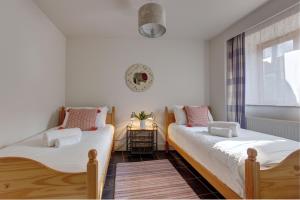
point(281, 181)
point(25, 178)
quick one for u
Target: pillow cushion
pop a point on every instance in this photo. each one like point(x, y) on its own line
point(210, 117)
point(85, 119)
point(196, 115)
point(100, 118)
point(180, 115)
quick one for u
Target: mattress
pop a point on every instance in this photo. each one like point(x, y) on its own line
point(225, 157)
point(72, 158)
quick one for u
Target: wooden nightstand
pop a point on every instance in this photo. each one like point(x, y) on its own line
point(141, 141)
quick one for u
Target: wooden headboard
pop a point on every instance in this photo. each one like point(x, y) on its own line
point(170, 118)
point(110, 118)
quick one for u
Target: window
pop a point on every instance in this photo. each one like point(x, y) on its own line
point(273, 64)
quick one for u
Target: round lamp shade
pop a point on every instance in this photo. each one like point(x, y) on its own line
point(152, 20)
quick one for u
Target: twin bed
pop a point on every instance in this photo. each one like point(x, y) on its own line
point(252, 165)
point(28, 169)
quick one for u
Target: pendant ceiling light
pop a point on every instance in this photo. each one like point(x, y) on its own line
point(152, 20)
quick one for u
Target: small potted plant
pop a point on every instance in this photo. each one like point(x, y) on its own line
point(142, 116)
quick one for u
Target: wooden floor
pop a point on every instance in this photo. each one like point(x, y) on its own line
point(201, 187)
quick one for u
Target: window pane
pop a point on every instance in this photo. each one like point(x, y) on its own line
point(284, 47)
point(292, 77)
point(270, 75)
point(267, 55)
point(273, 64)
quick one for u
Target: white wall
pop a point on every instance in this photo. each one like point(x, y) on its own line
point(218, 64)
point(96, 75)
point(32, 70)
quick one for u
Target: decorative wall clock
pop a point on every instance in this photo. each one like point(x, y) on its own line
point(139, 77)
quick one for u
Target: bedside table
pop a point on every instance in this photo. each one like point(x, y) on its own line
point(141, 141)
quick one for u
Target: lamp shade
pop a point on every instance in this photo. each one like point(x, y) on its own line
point(152, 20)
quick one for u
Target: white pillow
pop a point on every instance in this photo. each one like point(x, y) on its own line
point(210, 117)
point(180, 115)
point(100, 118)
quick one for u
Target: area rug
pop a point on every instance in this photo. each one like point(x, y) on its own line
point(156, 179)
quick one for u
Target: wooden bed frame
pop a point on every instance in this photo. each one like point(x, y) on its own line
point(25, 178)
point(279, 181)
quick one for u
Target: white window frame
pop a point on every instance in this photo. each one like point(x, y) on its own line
point(295, 36)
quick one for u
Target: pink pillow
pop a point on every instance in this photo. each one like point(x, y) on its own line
point(85, 119)
point(196, 115)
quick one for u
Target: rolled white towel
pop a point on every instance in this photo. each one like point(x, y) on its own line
point(51, 135)
point(234, 126)
point(222, 132)
point(68, 140)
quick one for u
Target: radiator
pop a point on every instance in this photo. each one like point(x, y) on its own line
point(281, 128)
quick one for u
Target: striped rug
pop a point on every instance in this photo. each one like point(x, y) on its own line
point(156, 179)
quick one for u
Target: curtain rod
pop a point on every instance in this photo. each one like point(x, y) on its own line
point(269, 18)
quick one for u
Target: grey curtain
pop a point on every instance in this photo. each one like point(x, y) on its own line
point(236, 80)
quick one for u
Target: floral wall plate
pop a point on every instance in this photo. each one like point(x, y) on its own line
point(139, 77)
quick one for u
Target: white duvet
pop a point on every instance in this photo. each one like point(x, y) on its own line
point(71, 158)
point(225, 157)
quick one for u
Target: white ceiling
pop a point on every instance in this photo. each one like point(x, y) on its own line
point(199, 19)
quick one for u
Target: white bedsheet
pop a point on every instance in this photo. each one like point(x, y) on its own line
point(72, 158)
point(225, 157)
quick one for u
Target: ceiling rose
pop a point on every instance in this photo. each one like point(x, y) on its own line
point(152, 20)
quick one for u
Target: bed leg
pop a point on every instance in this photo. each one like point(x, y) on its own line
point(92, 175)
point(113, 145)
point(252, 175)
